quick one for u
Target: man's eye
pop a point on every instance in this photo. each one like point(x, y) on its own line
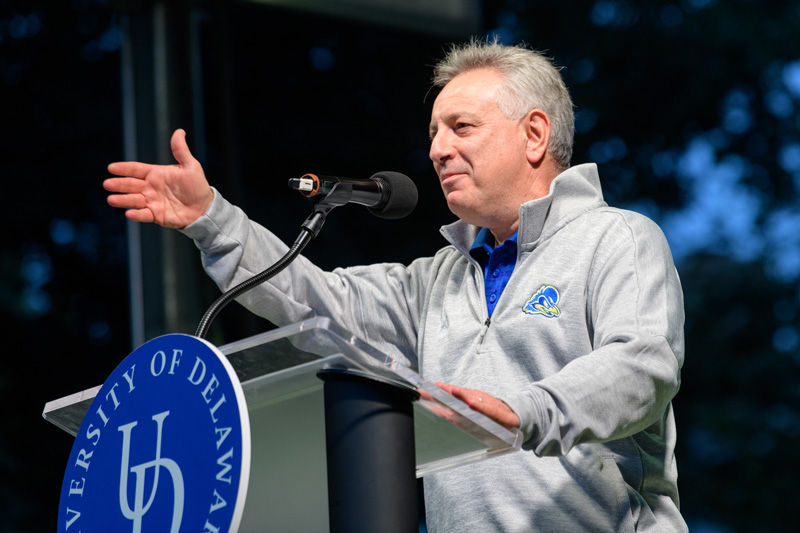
point(461, 125)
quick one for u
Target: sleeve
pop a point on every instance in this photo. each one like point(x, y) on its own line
point(379, 303)
point(635, 319)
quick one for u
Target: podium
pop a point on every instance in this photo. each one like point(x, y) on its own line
point(281, 374)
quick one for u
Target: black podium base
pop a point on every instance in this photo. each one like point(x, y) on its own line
point(369, 426)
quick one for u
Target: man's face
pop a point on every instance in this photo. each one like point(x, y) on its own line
point(478, 153)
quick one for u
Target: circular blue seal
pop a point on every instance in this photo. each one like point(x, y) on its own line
point(165, 445)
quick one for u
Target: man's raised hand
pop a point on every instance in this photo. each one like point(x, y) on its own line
point(172, 196)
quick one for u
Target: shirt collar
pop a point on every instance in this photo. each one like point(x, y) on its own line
point(572, 193)
point(484, 242)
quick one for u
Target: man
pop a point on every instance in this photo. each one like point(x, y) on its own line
point(549, 311)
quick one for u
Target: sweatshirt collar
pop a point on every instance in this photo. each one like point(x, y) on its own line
point(572, 193)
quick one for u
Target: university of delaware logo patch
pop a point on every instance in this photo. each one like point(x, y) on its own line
point(544, 302)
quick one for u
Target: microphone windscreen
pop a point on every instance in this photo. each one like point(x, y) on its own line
point(402, 198)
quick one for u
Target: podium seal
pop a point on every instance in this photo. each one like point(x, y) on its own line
point(165, 445)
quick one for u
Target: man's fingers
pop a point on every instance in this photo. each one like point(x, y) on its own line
point(180, 150)
point(129, 168)
point(468, 396)
point(446, 387)
point(127, 201)
point(124, 185)
point(140, 215)
point(486, 404)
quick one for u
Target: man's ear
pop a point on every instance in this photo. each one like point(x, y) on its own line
point(537, 130)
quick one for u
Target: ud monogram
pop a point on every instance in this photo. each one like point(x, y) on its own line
point(139, 507)
point(165, 445)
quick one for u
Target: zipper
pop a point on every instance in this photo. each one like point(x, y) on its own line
point(484, 330)
point(482, 293)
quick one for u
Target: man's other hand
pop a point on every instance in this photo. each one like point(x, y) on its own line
point(485, 404)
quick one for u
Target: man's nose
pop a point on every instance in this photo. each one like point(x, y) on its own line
point(441, 148)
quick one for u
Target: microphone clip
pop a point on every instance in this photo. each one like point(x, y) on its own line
point(338, 195)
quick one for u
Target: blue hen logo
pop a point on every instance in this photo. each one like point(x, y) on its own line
point(544, 302)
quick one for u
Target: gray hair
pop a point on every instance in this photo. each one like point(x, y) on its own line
point(531, 81)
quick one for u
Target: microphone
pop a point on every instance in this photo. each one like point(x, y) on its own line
point(385, 194)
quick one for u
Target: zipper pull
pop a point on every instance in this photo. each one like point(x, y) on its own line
point(484, 330)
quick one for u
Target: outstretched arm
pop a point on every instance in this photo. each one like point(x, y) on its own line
point(172, 196)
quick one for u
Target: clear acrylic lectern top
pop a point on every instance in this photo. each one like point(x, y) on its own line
point(283, 363)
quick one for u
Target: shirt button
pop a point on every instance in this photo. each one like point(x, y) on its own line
point(496, 273)
point(493, 298)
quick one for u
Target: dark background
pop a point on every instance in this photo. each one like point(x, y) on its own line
point(688, 106)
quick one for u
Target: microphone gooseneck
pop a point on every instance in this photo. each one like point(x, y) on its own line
point(386, 194)
point(302, 240)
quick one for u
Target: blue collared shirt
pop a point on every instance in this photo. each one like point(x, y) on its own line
point(498, 263)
